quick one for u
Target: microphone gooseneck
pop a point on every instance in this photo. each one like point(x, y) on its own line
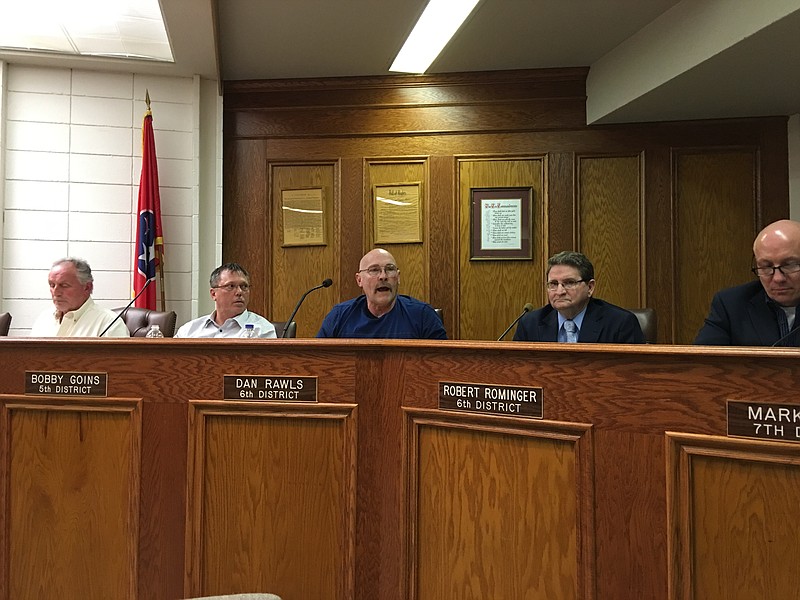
point(783, 338)
point(327, 283)
point(124, 310)
point(525, 310)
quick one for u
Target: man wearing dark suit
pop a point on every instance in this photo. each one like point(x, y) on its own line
point(572, 314)
point(762, 312)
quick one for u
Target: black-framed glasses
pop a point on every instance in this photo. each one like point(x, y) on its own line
point(231, 287)
point(375, 271)
point(787, 269)
point(569, 284)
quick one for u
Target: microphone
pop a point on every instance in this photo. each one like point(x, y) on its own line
point(124, 310)
point(525, 310)
point(324, 284)
point(783, 338)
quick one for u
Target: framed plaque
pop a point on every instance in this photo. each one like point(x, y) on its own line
point(397, 213)
point(501, 223)
point(303, 217)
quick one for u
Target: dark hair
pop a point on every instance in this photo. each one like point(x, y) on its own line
point(81, 266)
point(232, 267)
point(572, 259)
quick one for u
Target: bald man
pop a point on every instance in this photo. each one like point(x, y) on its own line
point(761, 312)
point(380, 312)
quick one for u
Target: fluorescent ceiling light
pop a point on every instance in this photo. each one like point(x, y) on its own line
point(437, 25)
point(117, 28)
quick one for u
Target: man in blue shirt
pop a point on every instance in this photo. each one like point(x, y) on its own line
point(381, 312)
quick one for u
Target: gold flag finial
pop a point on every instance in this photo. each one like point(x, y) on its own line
point(147, 98)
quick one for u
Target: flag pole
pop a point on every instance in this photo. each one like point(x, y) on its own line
point(160, 269)
point(159, 256)
point(149, 254)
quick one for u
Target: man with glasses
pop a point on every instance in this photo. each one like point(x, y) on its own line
point(572, 314)
point(761, 312)
point(380, 312)
point(230, 290)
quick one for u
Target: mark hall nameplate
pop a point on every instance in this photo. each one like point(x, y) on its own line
point(763, 421)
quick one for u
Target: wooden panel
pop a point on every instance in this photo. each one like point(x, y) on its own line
point(299, 268)
point(728, 495)
point(273, 502)
point(408, 90)
point(595, 182)
point(493, 292)
point(246, 231)
point(524, 492)
point(163, 493)
point(393, 120)
point(443, 260)
point(412, 258)
point(73, 499)
point(629, 396)
point(715, 196)
point(631, 497)
point(610, 225)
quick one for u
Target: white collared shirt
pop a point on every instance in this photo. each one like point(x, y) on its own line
point(88, 321)
point(206, 327)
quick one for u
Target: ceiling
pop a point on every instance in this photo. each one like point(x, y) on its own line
point(753, 73)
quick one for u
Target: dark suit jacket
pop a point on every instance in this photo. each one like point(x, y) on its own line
point(740, 316)
point(603, 323)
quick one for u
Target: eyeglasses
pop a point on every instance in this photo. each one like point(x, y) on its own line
point(390, 270)
point(231, 287)
point(569, 284)
point(786, 269)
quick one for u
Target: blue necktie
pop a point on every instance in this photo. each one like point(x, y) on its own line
point(572, 331)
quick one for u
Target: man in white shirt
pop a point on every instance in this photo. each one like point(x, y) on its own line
point(76, 314)
point(230, 290)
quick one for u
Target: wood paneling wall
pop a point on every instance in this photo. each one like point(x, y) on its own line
point(666, 211)
point(628, 488)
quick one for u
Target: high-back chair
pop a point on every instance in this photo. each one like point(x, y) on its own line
point(281, 325)
point(5, 323)
point(648, 321)
point(139, 320)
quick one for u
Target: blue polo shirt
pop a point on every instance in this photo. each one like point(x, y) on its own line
point(408, 319)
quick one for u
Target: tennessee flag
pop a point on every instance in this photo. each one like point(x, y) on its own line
point(149, 238)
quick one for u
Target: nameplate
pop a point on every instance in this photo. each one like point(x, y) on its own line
point(269, 387)
point(65, 383)
point(505, 400)
point(775, 422)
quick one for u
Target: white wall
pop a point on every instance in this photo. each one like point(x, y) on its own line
point(72, 154)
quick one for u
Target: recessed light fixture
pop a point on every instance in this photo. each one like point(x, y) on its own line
point(439, 22)
point(119, 28)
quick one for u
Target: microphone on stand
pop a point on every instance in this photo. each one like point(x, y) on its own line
point(124, 310)
point(525, 310)
point(324, 284)
point(783, 338)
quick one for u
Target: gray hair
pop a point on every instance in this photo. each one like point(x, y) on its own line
point(81, 266)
